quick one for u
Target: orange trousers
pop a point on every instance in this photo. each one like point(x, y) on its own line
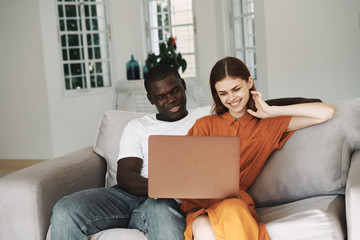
point(231, 219)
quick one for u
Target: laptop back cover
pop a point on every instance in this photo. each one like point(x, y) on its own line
point(193, 166)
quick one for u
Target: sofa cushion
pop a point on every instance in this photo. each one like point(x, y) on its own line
point(314, 161)
point(108, 139)
point(320, 217)
point(312, 218)
point(119, 234)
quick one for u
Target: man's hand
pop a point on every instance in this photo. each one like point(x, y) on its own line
point(129, 178)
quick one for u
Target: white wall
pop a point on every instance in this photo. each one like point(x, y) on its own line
point(304, 48)
point(312, 48)
point(74, 119)
point(25, 121)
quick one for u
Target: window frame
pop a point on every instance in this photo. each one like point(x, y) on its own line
point(149, 40)
point(84, 47)
point(253, 68)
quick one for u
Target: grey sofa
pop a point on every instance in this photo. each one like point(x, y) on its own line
point(310, 189)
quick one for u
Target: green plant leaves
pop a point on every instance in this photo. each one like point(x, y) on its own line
point(167, 56)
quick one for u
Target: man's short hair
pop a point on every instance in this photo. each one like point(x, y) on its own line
point(159, 72)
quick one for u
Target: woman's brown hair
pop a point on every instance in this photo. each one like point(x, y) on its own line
point(233, 68)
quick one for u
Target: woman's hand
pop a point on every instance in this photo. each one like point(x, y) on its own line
point(303, 115)
point(263, 109)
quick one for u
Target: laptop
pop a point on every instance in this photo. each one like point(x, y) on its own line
point(193, 167)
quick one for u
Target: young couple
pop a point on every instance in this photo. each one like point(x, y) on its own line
point(238, 110)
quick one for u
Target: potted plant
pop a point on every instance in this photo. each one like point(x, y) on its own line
point(167, 55)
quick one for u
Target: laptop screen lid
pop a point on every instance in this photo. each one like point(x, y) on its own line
point(193, 166)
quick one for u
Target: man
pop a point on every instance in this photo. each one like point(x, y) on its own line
point(127, 204)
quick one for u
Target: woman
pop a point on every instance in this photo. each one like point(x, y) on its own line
point(239, 110)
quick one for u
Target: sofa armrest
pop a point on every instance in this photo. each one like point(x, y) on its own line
point(352, 197)
point(28, 195)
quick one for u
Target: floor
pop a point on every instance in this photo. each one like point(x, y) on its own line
point(8, 166)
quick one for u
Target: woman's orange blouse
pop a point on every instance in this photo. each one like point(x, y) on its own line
point(258, 139)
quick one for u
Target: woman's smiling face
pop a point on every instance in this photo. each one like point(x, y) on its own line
point(234, 94)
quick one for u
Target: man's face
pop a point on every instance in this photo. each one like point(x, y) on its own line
point(168, 95)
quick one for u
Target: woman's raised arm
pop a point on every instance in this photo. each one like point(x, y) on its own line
point(303, 115)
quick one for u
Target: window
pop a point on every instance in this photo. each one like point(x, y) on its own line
point(243, 32)
point(84, 36)
point(174, 18)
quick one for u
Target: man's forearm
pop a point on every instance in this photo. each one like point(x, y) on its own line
point(133, 183)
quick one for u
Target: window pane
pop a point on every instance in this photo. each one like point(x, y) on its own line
point(250, 57)
point(247, 6)
point(182, 5)
point(78, 82)
point(236, 8)
point(72, 25)
point(100, 74)
point(99, 81)
point(185, 39)
point(191, 66)
point(98, 67)
point(74, 40)
point(250, 61)
point(97, 53)
point(61, 11)
point(240, 55)
point(93, 10)
point(63, 41)
point(65, 54)
point(62, 25)
point(91, 68)
point(249, 31)
point(182, 17)
point(66, 70)
point(92, 81)
point(75, 54)
point(76, 69)
point(71, 11)
point(238, 39)
point(67, 84)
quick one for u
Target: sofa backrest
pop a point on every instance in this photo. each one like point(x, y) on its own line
point(314, 161)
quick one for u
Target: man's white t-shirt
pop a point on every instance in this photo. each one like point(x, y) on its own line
point(134, 139)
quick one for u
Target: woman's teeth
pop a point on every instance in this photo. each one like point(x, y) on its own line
point(234, 103)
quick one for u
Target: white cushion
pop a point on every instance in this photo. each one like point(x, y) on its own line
point(119, 234)
point(313, 218)
point(108, 139)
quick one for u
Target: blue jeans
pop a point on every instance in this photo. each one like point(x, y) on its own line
point(90, 211)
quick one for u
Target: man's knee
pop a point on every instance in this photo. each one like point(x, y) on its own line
point(65, 209)
point(154, 204)
point(162, 219)
point(162, 207)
